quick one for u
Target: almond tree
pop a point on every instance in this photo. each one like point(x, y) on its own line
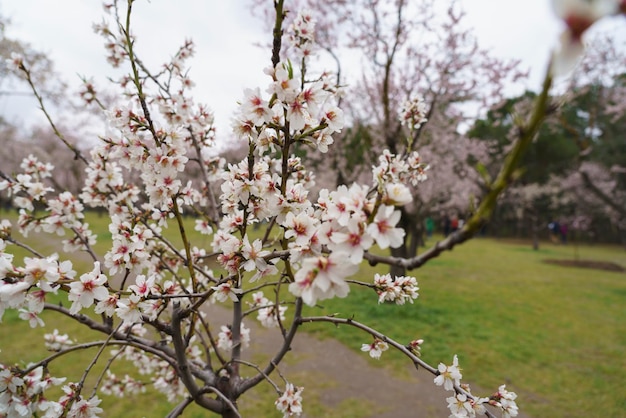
point(148, 296)
point(594, 118)
point(418, 55)
point(575, 168)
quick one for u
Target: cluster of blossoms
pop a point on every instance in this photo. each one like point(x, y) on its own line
point(309, 111)
point(80, 407)
point(413, 113)
point(393, 172)
point(290, 402)
point(163, 377)
point(120, 387)
point(269, 314)
point(398, 290)
point(57, 342)
point(302, 33)
point(225, 337)
point(25, 288)
point(463, 404)
point(21, 395)
point(65, 212)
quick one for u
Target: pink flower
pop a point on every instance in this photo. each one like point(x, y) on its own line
point(225, 291)
point(449, 375)
point(203, 226)
point(225, 337)
point(376, 348)
point(142, 286)
point(89, 287)
point(301, 227)
point(128, 309)
point(460, 405)
point(353, 240)
point(254, 254)
point(290, 402)
point(254, 108)
point(32, 318)
point(85, 408)
point(322, 278)
point(56, 341)
point(383, 228)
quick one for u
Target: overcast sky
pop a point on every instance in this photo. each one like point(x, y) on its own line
point(224, 33)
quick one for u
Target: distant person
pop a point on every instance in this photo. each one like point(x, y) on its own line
point(563, 231)
point(454, 223)
point(555, 231)
point(430, 227)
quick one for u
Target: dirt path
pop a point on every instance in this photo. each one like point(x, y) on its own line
point(344, 374)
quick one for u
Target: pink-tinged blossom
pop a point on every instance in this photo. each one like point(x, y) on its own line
point(255, 108)
point(12, 295)
point(352, 240)
point(338, 207)
point(56, 341)
point(225, 291)
point(225, 337)
point(42, 270)
point(506, 401)
point(120, 387)
point(297, 115)
point(301, 227)
point(449, 375)
point(142, 287)
point(478, 405)
point(313, 96)
point(383, 229)
point(85, 408)
point(285, 86)
point(253, 254)
point(333, 117)
point(399, 290)
point(269, 315)
point(22, 396)
point(290, 402)
point(107, 306)
point(397, 194)
point(413, 113)
point(128, 309)
point(322, 278)
point(203, 226)
point(90, 287)
point(376, 348)
point(8, 381)
point(416, 346)
point(460, 406)
point(32, 317)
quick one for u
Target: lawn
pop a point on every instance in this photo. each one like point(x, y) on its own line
point(555, 335)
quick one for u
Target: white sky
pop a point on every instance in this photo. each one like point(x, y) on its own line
point(224, 32)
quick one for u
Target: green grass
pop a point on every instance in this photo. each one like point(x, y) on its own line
point(555, 335)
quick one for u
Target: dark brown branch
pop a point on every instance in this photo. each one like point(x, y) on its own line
point(183, 366)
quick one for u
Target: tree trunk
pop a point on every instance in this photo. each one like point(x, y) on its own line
point(534, 229)
point(402, 251)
